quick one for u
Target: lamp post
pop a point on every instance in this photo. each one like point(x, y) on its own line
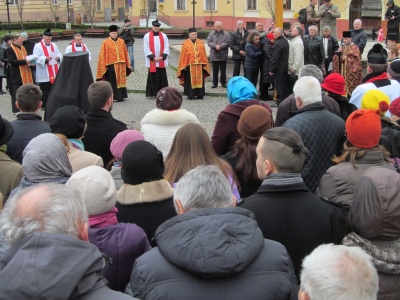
point(8, 16)
point(194, 13)
point(68, 10)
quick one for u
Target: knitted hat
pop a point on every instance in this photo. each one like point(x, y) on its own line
point(347, 34)
point(253, 122)
point(6, 131)
point(377, 55)
point(123, 139)
point(394, 108)
point(97, 188)
point(141, 162)
point(334, 83)
point(375, 99)
point(156, 23)
point(69, 121)
point(394, 69)
point(363, 128)
point(168, 98)
point(270, 36)
point(113, 28)
point(47, 32)
point(240, 89)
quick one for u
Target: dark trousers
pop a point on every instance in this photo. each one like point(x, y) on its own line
point(251, 75)
point(236, 66)
point(281, 81)
point(13, 92)
point(217, 67)
point(45, 87)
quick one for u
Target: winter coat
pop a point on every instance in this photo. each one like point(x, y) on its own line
point(26, 127)
point(147, 205)
point(100, 131)
point(11, 175)
point(81, 159)
point(393, 11)
point(160, 126)
point(328, 19)
point(64, 267)
point(218, 38)
point(339, 182)
point(280, 55)
point(237, 43)
point(123, 243)
point(266, 60)
point(291, 215)
point(214, 253)
point(346, 108)
point(296, 54)
point(375, 216)
point(315, 51)
point(389, 143)
point(359, 38)
point(127, 36)
point(254, 56)
point(225, 131)
point(323, 134)
point(287, 108)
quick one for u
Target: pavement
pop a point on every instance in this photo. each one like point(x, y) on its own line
point(133, 110)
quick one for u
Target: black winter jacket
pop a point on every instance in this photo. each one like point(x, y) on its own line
point(323, 133)
point(395, 12)
point(237, 43)
point(315, 51)
point(280, 55)
point(333, 46)
point(14, 65)
point(267, 53)
point(386, 140)
point(214, 253)
point(254, 56)
point(359, 38)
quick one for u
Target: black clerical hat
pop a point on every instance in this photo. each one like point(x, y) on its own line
point(377, 55)
point(113, 28)
point(156, 23)
point(47, 32)
point(193, 29)
point(347, 34)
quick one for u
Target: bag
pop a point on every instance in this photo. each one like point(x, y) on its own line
point(394, 151)
point(302, 16)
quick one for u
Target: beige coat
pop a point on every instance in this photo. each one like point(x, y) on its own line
point(81, 159)
point(328, 19)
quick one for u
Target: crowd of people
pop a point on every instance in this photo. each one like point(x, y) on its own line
point(301, 205)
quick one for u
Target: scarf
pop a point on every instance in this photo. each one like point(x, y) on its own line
point(73, 45)
point(52, 74)
point(153, 64)
point(282, 179)
point(24, 70)
point(107, 219)
point(383, 76)
point(78, 144)
point(386, 260)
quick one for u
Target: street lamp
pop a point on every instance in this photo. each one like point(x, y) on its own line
point(194, 13)
point(8, 16)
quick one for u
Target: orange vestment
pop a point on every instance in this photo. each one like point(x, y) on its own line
point(195, 56)
point(114, 53)
point(24, 70)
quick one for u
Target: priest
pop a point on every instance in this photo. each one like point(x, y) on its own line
point(114, 64)
point(156, 52)
point(193, 66)
point(77, 45)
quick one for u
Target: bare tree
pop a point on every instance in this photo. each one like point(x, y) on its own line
point(269, 5)
point(89, 7)
point(146, 11)
point(20, 8)
point(54, 11)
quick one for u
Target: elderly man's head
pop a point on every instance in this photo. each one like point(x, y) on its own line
point(338, 272)
point(312, 30)
point(203, 187)
point(52, 208)
point(312, 70)
point(357, 24)
point(307, 90)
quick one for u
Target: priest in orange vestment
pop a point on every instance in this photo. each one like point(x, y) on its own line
point(114, 64)
point(193, 66)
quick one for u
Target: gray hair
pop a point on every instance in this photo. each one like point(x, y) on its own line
point(218, 23)
point(378, 68)
point(308, 89)
point(312, 70)
point(313, 27)
point(49, 207)
point(327, 27)
point(239, 22)
point(337, 272)
point(204, 187)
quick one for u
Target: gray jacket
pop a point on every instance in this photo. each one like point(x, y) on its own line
point(214, 254)
point(218, 38)
point(64, 267)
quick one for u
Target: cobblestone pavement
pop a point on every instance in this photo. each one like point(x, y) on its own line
point(137, 105)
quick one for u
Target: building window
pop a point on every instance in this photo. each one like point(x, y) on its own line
point(14, 2)
point(210, 4)
point(98, 5)
point(55, 2)
point(181, 5)
point(112, 4)
point(69, 2)
point(250, 25)
point(209, 23)
point(251, 4)
point(287, 4)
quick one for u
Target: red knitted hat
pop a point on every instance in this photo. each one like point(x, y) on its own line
point(334, 83)
point(394, 107)
point(363, 128)
point(270, 36)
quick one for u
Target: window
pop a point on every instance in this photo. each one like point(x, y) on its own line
point(251, 4)
point(98, 5)
point(55, 2)
point(14, 2)
point(250, 25)
point(181, 5)
point(69, 2)
point(112, 4)
point(210, 4)
point(287, 4)
point(209, 23)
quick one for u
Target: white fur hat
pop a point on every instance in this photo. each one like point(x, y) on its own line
point(97, 188)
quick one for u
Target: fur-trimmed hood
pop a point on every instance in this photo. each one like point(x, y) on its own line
point(145, 192)
point(166, 118)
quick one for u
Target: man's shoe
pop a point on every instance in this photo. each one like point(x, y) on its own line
point(213, 86)
point(224, 86)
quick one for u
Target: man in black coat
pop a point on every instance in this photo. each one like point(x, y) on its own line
point(329, 46)
point(392, 16)
point(101, 126)
point(237, 42)
point(285, 210)
point(279, 64)
point(315, 51)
